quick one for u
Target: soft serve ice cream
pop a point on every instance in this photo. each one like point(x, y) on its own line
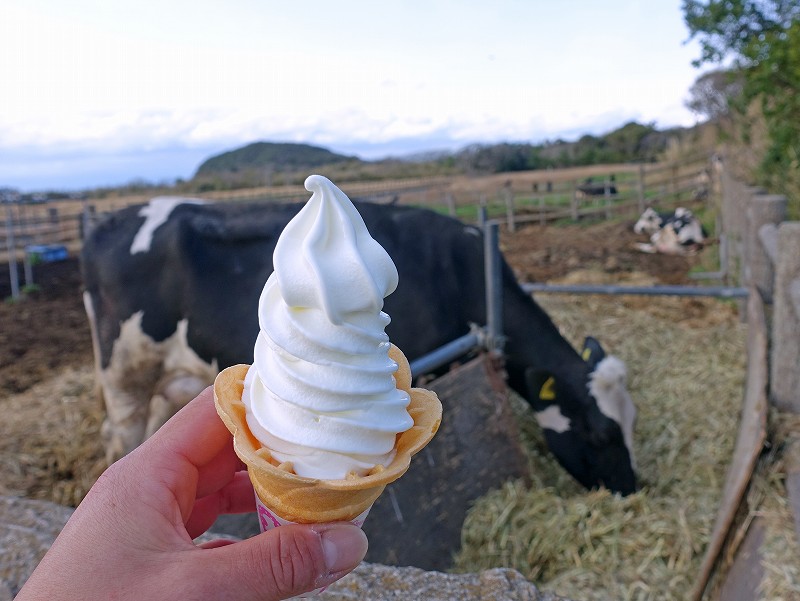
point(320, 394)
point(326, 417)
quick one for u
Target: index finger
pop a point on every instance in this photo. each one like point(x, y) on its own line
point(191, 455)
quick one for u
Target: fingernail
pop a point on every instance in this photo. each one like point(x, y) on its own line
point(344, 546)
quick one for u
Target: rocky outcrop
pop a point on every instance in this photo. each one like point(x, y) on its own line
point(28, 528)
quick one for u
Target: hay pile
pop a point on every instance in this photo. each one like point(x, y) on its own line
point(51, 448)
point(766, 500)
point(685, 360)
point(686, 368)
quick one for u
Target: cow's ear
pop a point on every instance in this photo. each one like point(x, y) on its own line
point(541, 385)
point(592, 352)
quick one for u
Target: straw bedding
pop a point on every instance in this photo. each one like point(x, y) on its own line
point(685, 360)
point(51, 447)
point(687, 382)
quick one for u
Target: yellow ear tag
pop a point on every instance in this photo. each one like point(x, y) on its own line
point(586, 354)
point(548, 391)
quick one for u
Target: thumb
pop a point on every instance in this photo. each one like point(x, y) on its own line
point(280, 563)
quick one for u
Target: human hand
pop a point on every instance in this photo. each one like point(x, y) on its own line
point(131, 537)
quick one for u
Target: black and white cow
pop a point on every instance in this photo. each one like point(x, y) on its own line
point(675, 233)
point(592, 189)
point(172, 290)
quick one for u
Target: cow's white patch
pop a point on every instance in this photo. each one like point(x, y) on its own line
point(155, 214)
point(664, 241)
point(648, 223)
point(88, 306)
point(552, 419)
point(691, 233)
point(146, 382)
point(608, 385)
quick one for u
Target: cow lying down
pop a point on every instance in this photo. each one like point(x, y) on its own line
point(676, 233)
point(171, 290)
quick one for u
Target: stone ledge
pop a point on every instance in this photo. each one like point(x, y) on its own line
point(375, 582)
point(28, 528)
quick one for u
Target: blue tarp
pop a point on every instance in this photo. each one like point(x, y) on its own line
point(46, 253)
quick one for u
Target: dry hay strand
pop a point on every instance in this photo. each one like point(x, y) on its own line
point(767, 498)
point(51, 448)
point(687, 383)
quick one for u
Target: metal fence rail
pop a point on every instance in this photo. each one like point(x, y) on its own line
point(445, 354)
point(713, 291)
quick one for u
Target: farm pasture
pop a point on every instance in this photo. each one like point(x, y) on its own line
point(686, 368)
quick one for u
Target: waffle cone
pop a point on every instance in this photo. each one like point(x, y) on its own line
point(310, 500)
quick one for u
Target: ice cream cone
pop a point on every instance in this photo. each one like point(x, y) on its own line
point(308, 500)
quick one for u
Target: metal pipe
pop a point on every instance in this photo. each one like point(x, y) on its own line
point(11, 247)
point(715, 291)
point(444, 354)
point(483, 215)
point(494, 290)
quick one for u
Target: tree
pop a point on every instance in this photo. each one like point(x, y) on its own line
point(713, 94)
point(744, 30)
point(761, 38)
point(626, 142)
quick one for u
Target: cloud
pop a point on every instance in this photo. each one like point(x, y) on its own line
point(97, 86)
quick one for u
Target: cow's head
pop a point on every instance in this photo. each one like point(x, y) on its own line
point(649, 222)
point(588, 419)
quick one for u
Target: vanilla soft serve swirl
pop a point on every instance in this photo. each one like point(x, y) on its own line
point(320, 393)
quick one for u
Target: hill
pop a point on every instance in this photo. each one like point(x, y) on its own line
point(633, 142)
point(281, 156)
point(272, 163)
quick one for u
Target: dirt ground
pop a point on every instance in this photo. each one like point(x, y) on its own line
point(44, 332)
point(541, 254)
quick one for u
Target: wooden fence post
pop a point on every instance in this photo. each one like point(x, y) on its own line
point(11, 248)
point(729, 187)
point(451, 204)
point(673, 182)
point(785, 355)
point(508, 196)
point(87, 218)
point(574, 201)
point(53, 224)
point(737, 198)
point(763, 210)
point(542, 217)
point(640, 189)
point(744, 202)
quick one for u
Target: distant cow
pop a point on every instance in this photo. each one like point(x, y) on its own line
point(172, 291)
point(589, 188)
point(676, 233)
point(651, 221)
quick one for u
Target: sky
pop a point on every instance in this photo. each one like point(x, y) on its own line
point(98, 93)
